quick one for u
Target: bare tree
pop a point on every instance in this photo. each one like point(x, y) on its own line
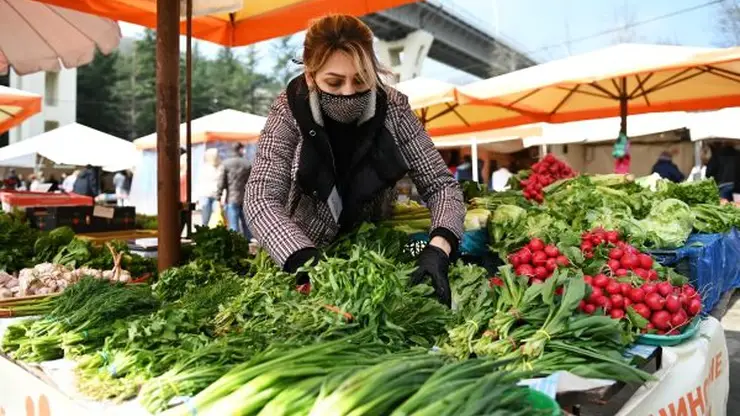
point(625, 18)
point(729, 22)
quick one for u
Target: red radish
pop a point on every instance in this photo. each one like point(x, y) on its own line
point(652, 275)
point(588, 279)
point(626, 288)
point(559, 290)
point(684, 300)
point(540, 273)
point(654, 301)
point(588, 254)
point(552, 251)
point(673, 332)
point(689, 291)
point(665, 288)
point(629, 261)
point(562, 260)
point(605, 303)
point(646, 262)
point(642, 273)
point(495, 281)
point(525, 256)
point(649, 288)
point(679, 319)
point(586, 236)
point(621, 272)
point(660, 332)
point(515, 260)
point(617, 301)
point(627, 302)
point(661, 319)
point(637, 295)
point(537, 281)
point(539, 258)
point(581, 304)
point(614, 264)
point(551, 264)
point(589, 308)
point(613, 288)
point(616, 313)
point(586, 246)
point(601, 280)
point(597, 240)
point(596, 294)
point(672, 303)
point(612, 236)
point(694, 307)
point(642, 309)
point(616, 253)
point(525, 270)
point(536, 244)
point(650, 326)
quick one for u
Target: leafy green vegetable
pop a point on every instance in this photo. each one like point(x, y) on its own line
point(669, 224)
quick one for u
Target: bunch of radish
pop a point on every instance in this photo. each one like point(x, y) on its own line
point(537, 260)
point(668, 308)
point(624, 259)
point(591, 240)
point(608, 294)
point(544, 172)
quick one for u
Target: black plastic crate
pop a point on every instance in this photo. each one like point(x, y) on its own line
point(79, 218)
point(113, 219)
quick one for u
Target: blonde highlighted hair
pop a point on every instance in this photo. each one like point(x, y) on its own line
point(345, 34)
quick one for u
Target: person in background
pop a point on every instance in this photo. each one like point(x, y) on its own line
point(699, 172)
point(464, 171)
point(87, 182)
point(36, 181)
point(500, 177)
point(68, 184)
point(724, 168)
point(233, 176)
point(54, 183)
point(122, 185)
point(12, 181)
point(208, 184)
point(667, 169)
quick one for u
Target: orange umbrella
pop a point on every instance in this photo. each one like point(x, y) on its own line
point(16, 106)
point(257, 20)
point(615, 81)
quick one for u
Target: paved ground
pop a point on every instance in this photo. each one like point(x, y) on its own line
point(731, 324)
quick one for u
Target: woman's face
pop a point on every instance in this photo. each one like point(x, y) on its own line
point(339, 76)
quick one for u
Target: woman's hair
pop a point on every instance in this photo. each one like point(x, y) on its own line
point(346, 34)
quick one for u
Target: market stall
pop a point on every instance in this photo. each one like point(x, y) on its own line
point(580, 302)
point(219, 130)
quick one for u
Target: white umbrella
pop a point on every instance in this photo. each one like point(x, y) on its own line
point(36, 37)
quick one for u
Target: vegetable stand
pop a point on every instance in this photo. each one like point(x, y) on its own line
point(681, 384)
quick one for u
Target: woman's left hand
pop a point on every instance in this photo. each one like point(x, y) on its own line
point(434, 262)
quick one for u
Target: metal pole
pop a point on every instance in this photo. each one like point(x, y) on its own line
point(189, 111)
point(474, 156)
point(168, 140)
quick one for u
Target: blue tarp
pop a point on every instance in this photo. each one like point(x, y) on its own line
point(714, 264)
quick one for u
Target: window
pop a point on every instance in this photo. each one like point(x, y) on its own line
point(50, 125)
point(51, 94)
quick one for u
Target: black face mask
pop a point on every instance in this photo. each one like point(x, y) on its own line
point(344, 108)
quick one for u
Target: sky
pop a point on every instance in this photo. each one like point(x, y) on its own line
point(559, 28)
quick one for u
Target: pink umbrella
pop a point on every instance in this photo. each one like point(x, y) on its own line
point(36, 37)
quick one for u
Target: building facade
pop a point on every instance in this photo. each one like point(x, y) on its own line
point(58, 107)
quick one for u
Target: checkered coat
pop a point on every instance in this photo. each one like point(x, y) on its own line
point(285, 219)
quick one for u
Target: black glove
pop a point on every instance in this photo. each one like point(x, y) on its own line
point(434, 263)
point(298, 260)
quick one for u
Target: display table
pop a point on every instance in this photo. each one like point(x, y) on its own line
point(693, 380)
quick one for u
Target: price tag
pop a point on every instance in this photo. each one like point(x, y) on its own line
point(335, 204)
point(104, 212)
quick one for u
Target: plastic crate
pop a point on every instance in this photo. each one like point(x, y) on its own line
point(79, 218)
point(23, 199)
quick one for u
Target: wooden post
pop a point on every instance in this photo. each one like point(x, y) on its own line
point(189, 113)
point(168, 132)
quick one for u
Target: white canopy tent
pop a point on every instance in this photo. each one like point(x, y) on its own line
point(720, 124)
point(72, 144)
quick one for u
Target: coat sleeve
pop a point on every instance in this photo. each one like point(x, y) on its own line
point(434, 181)
point(269, 184)
point(220, 181)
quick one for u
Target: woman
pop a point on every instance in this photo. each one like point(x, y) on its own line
point(208, 184)
point(334, 145)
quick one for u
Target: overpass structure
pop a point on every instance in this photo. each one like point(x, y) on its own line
point(410, 33)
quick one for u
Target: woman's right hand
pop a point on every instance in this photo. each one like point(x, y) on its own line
point(306, 256)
